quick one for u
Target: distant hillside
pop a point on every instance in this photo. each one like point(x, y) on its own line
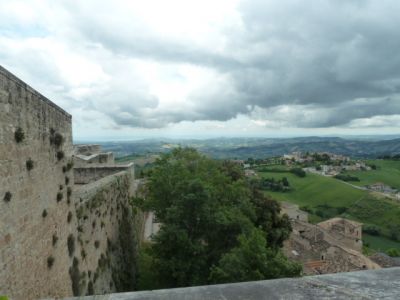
point(262, 147)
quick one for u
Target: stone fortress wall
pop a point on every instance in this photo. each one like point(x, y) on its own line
point(56, 238)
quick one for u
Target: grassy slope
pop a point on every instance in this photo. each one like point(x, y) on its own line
point(388, 172)
point(315, 190)
point(379, 243)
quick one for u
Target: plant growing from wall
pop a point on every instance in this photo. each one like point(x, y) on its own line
point(69, 192)
point(90, 289)
point(7, 197)
point(60, 155)
point(75, 277)
point(83, 255)
point(59, 196)
point(58, 139)
point(66, 180)
point(44, 213)
point(71, 244)
point(97, 244)
point(69, 166)
point(29, 164)
point(55, 239)
point(19, 135)
point(69, 217)
point(50, 261)
point(79, 212)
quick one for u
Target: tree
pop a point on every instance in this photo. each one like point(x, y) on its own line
point(252, 260)
point(204, 205)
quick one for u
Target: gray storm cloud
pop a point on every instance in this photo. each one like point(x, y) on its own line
point(328, 62)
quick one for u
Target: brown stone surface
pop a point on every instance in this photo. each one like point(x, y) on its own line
point(34, 223)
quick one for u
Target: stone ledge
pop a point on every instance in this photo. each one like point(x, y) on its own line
point(374, 284)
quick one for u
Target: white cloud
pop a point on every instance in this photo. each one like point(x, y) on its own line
point(245, 67)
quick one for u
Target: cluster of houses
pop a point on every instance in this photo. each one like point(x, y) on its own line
point(380, 187)
point(338, 163)
point(331, 246)
point(301, 157)
point(333, 170)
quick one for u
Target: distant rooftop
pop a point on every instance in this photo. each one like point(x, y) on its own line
point(374, 284)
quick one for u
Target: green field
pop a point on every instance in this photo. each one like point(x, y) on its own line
point(388, 172)
point(328, 197)
point(379, 243)
point(314, 190)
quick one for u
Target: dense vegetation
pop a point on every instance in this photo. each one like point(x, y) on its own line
point(346, 177)
point(216, 226)
point(272, 184)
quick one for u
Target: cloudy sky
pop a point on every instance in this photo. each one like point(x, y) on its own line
point(179, 68)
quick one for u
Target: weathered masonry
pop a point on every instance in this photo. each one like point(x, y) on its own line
point(56, 238)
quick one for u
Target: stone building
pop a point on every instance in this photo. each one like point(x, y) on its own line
point(85, 155)
point(325, 248)
point(348, 232)
point(64, 230)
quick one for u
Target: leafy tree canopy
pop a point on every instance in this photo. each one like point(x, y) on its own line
point(216, 226)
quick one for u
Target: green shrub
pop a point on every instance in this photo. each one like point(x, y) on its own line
point(19, 135)
point(44, 213)
point(69, 192)
point(29, 164)
point(58, 139)
point(50, 261)
point(55, 239)
point(60, 155)
point(393, 252)
point(306, 208)
point(3, 298)
point(90, 289)
point(83, 253)
point(75, 277)
point(71, 245)
point(69, 217)
point(346, 177)
point(298, 172)
point(7, 197)
point(372, 230)
point(69, 165)
point(59, 196)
